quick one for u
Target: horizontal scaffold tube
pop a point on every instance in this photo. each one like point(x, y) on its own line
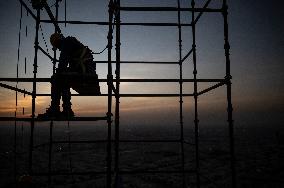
point(121, 80)
point(106, 23)
point(128, 172)
point(169, 9)
point(121, 140)
point(129, 95)
point(133, 172)
point(53, 119)
point(15, 89)
point(142, 62)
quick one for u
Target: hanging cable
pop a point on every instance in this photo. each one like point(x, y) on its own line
point(18, 60)
point(19, 42)
point(18, 57)
point(44, 39)
point(65, 11)
point(27, 25)
point(25, 65)
point(26, 31)
point(97, 53)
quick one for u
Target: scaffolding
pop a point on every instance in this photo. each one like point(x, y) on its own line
point(113, 170)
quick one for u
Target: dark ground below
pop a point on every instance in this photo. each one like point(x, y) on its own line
point(259, 154)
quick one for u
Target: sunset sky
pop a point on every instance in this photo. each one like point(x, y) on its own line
point(257, 52)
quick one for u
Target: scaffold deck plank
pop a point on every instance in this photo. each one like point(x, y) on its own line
point(53, 119)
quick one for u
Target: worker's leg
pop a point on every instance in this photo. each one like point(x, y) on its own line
point(55, 92)
point(66, 98)
point(54, 109)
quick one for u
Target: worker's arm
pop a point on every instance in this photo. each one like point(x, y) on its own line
point(63, 63)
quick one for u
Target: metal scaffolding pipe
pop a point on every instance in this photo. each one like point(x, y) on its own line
point(135, 172)
point(120, 80)
point(211, 88)
point(68, 173)
point(181, 97)
point(200, 13)
point(169, 9)
point(109, 105)
point(15, 89)
point(117, 95)
point(48, 55)
point(185, 57)
point(34, 94)
point(141, 62)
point(195, 94)
point(28, 9)
point(52, 119)
point(113, 141)
point(129, 95)
point(122, 24)
point(229, 93)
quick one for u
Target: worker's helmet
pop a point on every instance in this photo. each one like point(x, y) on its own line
point(55, 39)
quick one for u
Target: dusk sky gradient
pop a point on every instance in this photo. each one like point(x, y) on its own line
point(256, 37)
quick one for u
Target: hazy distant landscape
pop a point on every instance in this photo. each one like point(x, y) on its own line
point(259, 153)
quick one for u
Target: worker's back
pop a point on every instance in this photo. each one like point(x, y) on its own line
point(77, 55)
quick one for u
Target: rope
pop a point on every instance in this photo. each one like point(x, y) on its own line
point(97, 53)
point(44, 39)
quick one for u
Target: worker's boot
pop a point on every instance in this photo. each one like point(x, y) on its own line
point(54, 110)
point(67, 113)
point(66, 98)
point(51, 112)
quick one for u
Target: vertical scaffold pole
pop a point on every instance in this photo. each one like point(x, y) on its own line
point(196, 121)
point(117, 96)
point(15, 148)
point(229, 93)
point(109, 83)
point(54, 49)
point(181, 97)
point(34, 95)
point(50, 152)
point(51, 123)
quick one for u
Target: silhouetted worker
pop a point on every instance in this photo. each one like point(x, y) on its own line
point(75, 61)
